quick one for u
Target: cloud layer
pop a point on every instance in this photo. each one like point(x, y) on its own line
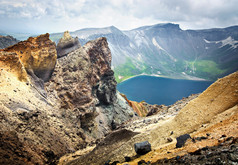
point(59, 15)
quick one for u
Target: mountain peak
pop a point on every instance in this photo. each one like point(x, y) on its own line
point(167, 25)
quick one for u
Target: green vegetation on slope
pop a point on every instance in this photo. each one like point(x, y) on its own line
point(205, 69)
point(129, 69)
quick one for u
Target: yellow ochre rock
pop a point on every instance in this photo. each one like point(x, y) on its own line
point(10, 62)
point(37, 54)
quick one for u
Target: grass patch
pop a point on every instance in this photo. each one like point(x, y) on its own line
point(129, 69)
point(205, 69)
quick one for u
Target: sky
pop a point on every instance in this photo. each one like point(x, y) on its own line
point(41, 16)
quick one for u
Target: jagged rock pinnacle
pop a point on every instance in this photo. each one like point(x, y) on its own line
point(67, 44)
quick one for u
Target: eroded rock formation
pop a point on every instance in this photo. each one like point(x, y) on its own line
point(77, 106)
point(67, 44)
point(38, 55)
point(10, 62)
point(85, 84)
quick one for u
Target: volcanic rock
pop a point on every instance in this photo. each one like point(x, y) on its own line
point(38, 55)
point(10, 62)
point(84, 83)
point(181, 140)
point(67, 44)
point(142, 147)
point(42, 122)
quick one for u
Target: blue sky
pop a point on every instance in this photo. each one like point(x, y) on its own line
point(41, 16)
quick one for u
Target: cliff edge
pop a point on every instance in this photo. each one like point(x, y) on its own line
point(51, 107)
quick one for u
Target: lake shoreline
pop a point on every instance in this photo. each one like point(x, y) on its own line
point(160, 90)
point(170, 77)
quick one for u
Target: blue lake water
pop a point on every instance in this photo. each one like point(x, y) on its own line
point(158, 90)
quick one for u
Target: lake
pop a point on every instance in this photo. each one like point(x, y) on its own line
point(158, 90)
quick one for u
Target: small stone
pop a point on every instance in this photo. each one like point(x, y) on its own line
point(223, 136)
point(127, 159)
point(141, 162)
point(169, 139)
point(203, 137)
point(208, 134)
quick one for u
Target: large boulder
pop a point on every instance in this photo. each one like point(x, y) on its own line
point(142, 148)
point(181, 140)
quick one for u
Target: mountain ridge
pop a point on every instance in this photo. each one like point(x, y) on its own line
point(167, 50)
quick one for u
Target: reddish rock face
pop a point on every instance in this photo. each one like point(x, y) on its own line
point(37, 54)
point(139, 107)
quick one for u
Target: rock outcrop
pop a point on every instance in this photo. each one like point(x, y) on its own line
point(85, 84)
point(38, 55)
point(6, 41)
point(10, 62)
point(139, 107)
point(209, 119)
point(67, 44)
point(144, 109)
point(77, 106)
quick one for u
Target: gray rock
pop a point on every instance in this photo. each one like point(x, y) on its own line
point(181, 140)
point(169, 139)
point(142, 148)
point(66, 45)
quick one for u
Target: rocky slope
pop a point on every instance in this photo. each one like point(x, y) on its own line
point(210, 119)
point(6, 41)
point(144, 109)
point(166, 49)
point(51, 107)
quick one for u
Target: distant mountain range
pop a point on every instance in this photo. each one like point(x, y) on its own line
point(6, 41)
point(167, 50)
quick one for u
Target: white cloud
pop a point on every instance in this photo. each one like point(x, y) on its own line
point(59, 15)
